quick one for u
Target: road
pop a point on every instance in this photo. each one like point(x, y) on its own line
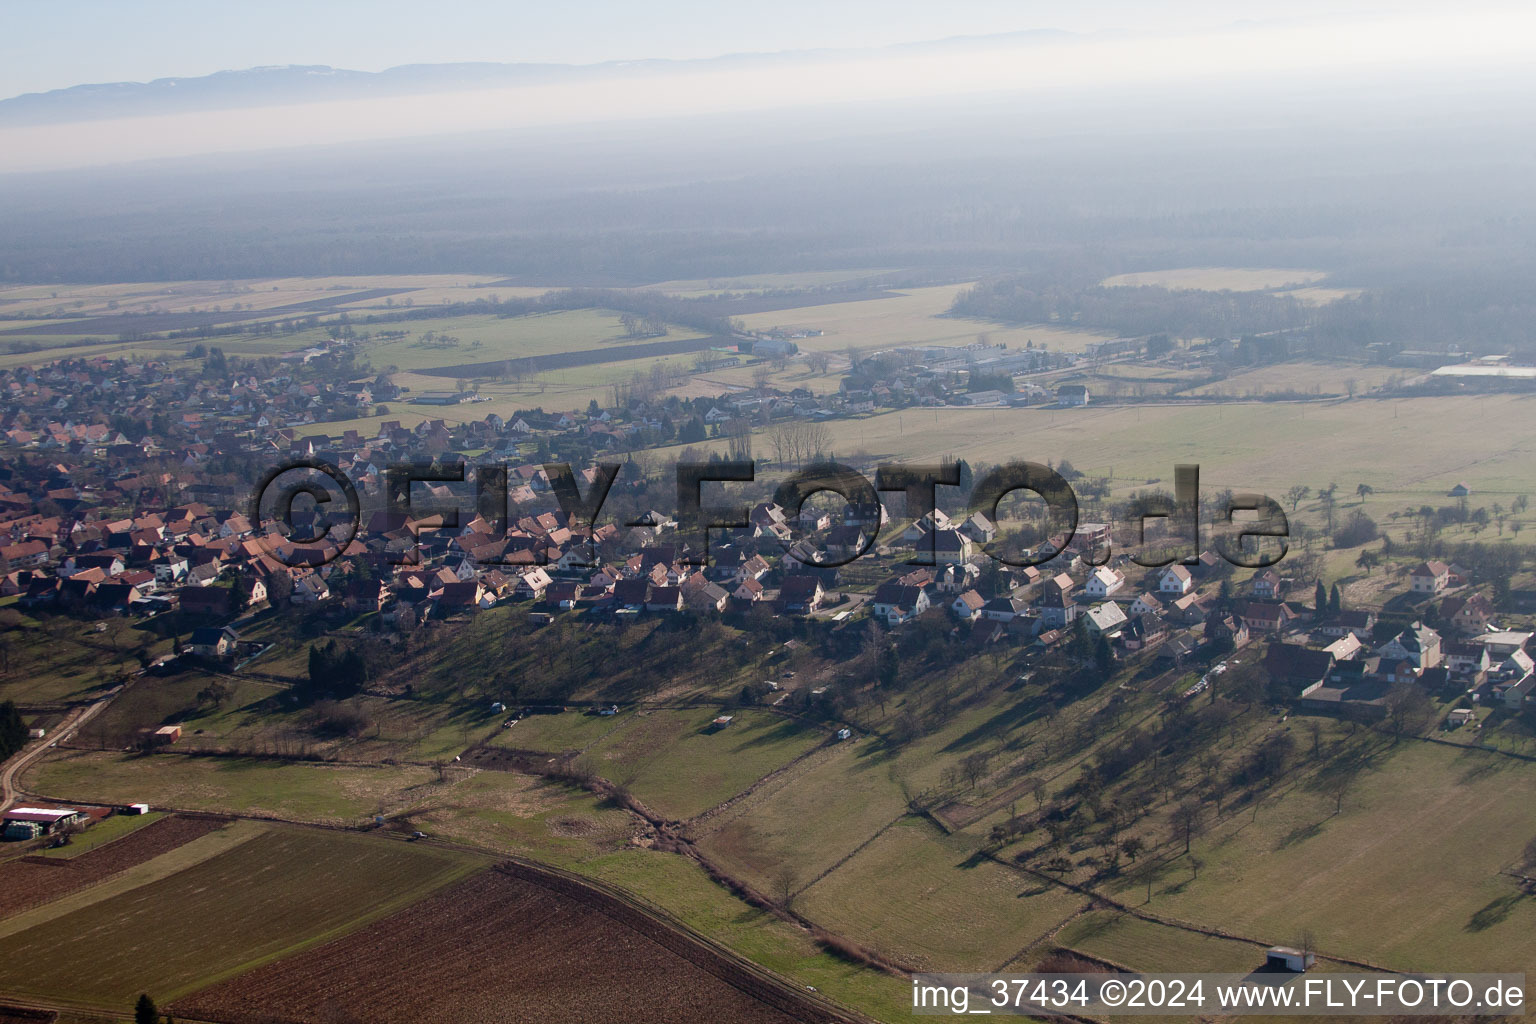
point(12, 769)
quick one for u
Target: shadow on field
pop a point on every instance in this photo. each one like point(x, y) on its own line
point(1492, 914)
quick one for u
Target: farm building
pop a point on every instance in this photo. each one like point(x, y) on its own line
point(1072, 395)
point(1288, 959)
point(31, 822)
point(721, 721)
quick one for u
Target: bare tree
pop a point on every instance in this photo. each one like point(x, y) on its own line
point(1188, 821)
point(786, 880)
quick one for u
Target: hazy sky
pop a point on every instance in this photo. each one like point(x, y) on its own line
point(52, 44)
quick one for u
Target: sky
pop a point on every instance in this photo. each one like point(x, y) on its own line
point(53, 44)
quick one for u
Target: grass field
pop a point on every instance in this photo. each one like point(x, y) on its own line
point(347, 794)
point(924, 900)
point(1407, 875)
point(1148, 946)
point(271, 895)
point(676, 764)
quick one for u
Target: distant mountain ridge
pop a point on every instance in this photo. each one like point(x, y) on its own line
point(292, 84)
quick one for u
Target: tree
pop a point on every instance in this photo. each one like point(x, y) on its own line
point(13, 731)
point(145, 1011)
point(1408, 708)
point(1188, 821)
point(785, 881)
point(1335, 602)
point(1368, 560)
point(1132, 846)
point(1319, 601)
point(1296, 495)
point(1363, 490)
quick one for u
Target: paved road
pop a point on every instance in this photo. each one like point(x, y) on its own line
point(13, 768)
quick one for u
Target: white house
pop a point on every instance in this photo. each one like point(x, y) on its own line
point(1103, 582)
point(1176, 580)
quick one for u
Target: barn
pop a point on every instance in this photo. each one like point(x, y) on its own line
point(1284, 958)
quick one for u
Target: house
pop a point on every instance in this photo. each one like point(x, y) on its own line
point(1418, 644)
point(1470, 615)
point(1103, 582)
point(1267, 616)
point(1072, 395)
point(212, 642)
point(1357, 623)
point(951, 547)
point(463, 596)
point(1003, 609)
point(1054, 604)
point(363, 594)
point(847, 541)
point(1265, 585)
point(1142, 631)
point(665, 599)
point(801, 594)
point(532, 584)
point(749, 591)
point(1146, 604)
point(897, 602)
point(1105, 619)
point(979, 528)
point(1226, 628)
point(1429, 577)
point(967, 606)
point(1176, 580)
point(1465, 660)
point(1461, 490)
point(631, 594)
point(707, 596)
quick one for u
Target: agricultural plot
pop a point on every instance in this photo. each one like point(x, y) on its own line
point(928, 901)
point(1301, 378)
point(25, 883)
point(678, 765)
point(916, 316)
point(681, 888)
point(502, 949)
point(267, 897)
point(1486, 440)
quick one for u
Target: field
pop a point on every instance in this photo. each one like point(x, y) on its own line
point(341, 794)
point(679, 766)
point(272, 894)
point(1487, 441)
point(916, 316)
point(26, 884)
point(1216, 279)
point(924, 900)
point(1395, 878)
point(503, 949)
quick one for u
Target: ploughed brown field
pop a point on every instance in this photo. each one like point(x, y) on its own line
point(32, 881)
point(507, 946)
